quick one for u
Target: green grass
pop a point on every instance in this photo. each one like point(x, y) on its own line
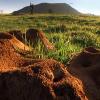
point(70, 34)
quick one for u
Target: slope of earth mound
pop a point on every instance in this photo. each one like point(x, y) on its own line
point(9, 59)
point(34, 35)
point(26, 79)
point(86, 66)
point(14, 41)
point(46, 79)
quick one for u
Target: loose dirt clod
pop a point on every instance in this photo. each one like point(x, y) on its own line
point(26, 79)
point(86, 67)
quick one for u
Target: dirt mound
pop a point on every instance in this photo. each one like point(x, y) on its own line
point(46, 79)
point(9, 59)
point(86, 66)
point(26, 79)
point(88, 58)
point(34, 35)
point(14, 41)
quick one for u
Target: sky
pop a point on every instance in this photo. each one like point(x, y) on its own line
point(84, 6)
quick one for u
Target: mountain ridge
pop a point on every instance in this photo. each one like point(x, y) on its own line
point(57, 8)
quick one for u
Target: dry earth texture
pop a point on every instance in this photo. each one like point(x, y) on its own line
point(28, 79)
point(86, 67)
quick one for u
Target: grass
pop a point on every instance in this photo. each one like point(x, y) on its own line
point(70, 34)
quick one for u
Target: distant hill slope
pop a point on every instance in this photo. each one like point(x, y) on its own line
point(59, 8)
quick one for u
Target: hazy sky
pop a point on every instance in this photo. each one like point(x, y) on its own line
point(85, 6)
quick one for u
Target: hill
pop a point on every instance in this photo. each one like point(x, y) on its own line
point(58, 8)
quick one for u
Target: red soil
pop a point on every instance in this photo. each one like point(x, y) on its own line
point(34, 35)
point(86, 67)
point(26, 79)
point(40, 80)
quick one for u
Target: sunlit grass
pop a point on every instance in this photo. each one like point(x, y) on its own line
point(69, 34)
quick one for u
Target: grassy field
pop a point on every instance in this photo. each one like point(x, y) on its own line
point(69, 34)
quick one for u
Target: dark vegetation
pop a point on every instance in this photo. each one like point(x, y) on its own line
point(53, 8)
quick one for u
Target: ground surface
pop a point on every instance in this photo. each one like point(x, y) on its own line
point(28, 79)
point(69, 34)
